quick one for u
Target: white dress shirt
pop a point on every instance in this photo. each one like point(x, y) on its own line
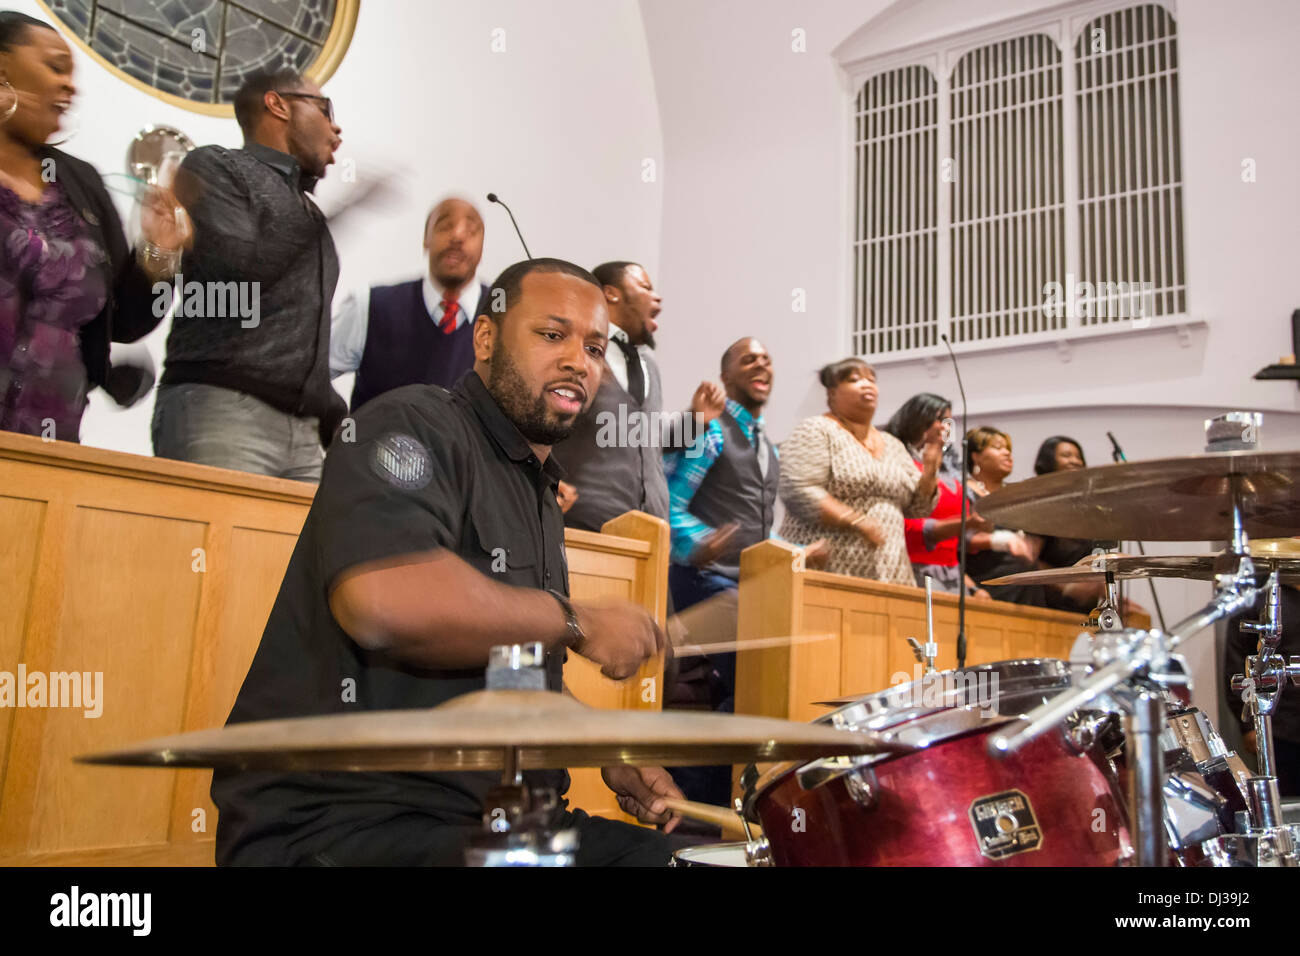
point(352, 319)
point(617, 361)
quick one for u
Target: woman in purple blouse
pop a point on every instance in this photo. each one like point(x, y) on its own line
point(69, 284)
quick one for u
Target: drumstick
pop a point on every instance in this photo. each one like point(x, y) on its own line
point(757, 644)
point(728, 820)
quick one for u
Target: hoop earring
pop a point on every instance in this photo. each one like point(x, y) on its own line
point(13, 107)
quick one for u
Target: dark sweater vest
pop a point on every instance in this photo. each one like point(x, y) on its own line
point(735, 490)
point(613, 477)
point(404, 346)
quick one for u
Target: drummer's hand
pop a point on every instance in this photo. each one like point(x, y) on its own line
point(641, 791)
point(976, 522)
point(1248, 741)
point(982, 595)
point(620, 637)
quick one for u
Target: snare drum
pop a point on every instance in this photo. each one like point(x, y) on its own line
point(1054, 802)
point(712, 854)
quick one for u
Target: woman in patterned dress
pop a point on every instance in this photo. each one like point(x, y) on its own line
point(68, 282)
point(847, 481)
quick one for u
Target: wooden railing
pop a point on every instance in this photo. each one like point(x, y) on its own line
point(160, 575)
point(868, 624)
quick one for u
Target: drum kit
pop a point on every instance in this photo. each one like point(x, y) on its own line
point(1096, 761)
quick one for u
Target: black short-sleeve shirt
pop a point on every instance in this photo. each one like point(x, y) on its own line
point(425, 469)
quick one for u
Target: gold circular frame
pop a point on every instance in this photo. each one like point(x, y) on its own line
point(331, 55)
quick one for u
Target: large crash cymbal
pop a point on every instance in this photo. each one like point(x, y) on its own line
point(1171, 499)
point(1197, 567)
point(474, 731)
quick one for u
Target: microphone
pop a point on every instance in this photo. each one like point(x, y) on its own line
point(961, 532)
point(492, 197)
point(1116, 452)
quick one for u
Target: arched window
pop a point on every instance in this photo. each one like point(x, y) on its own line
point(1130, 167)
point(196, 53)
point(1008, 197)
point(896, 198)
point(1056, 140)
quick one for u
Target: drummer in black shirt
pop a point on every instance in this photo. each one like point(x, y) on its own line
point(435, 534)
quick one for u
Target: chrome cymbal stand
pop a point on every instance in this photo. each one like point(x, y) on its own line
point(1266, 840)
point(517, 829)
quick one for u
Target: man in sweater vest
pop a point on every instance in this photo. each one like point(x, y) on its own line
point(614, 456)
point(722, 496)
point(419, 332)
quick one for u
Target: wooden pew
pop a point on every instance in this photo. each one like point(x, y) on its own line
point(160, 575)
point(869, 623)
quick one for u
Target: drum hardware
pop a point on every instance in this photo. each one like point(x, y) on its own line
point(863, 787)
point(758, 852)
point(1087, 730)
point(1266, 673)
point(1141, 502)
point(1193, 811)
point(516, 818)
point(1279, 848)
point(517, 827)
point(926, 654)
point(1135, 680)
point(931, 647)
point(1105, 616)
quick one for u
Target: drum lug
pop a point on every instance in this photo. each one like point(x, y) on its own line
point(1082, 734)
point(759, 853)
point(863, 787)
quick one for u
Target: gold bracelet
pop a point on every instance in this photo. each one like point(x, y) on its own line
point(156, 260)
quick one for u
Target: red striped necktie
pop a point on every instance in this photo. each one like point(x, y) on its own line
point(450, 307)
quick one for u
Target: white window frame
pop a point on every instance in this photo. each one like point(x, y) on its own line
point(1063, 25)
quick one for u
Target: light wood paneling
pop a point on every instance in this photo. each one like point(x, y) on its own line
point(20, 530)
point(871, 622)
point(161, 575)
point(627, 561)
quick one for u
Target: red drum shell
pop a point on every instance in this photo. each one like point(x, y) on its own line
point(921, 813)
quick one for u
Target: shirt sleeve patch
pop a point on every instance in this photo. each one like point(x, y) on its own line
point(401, 461)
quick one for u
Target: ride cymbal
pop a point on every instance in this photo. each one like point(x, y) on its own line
point(474, 732)
point(1171, 499)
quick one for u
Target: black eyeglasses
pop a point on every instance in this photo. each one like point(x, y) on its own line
point(326, 104)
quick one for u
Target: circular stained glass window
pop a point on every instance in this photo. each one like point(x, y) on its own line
point(196, 53)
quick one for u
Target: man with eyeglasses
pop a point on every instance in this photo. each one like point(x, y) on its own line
point(246, 384)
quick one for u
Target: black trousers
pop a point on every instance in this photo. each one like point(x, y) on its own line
point(414, 839)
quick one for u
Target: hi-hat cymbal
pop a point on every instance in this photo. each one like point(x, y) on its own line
point(1172, 499)
point(474, 731)
point(1197, 567)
